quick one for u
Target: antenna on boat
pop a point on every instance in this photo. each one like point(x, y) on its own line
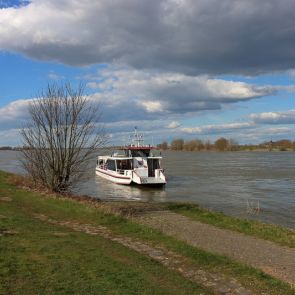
point(137, 138)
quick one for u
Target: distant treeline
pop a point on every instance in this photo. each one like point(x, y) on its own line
point(10, 148)
point(7, 148)
point(224, 144)
point(221, 144)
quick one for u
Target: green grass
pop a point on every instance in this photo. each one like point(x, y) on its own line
point(35, 261)
point(277, 234)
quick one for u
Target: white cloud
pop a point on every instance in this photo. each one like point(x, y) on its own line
point(173, 125)
point(244, 133)
point(10, 137)
point(286, 117)
point(152, 106)
point(169, 93)
point(15, 110)
point(291, 73)
point(154, 131)
point(260, 134)
point(158, 128)
point(217, 128)
point(129, 95)
point(160, 101)
point(54, 76)
point(188, 36)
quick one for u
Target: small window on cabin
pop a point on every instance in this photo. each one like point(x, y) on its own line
point(119, 164)
point(157, 164)
point(126, 164)
point(111, 164)
point(140, 153)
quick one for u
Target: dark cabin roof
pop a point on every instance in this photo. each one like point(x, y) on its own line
point(148, 147)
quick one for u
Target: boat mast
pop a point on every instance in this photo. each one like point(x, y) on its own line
point(137, 138)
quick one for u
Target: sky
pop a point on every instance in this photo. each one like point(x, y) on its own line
point(173, 68)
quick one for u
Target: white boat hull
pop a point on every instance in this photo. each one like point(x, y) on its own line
point(132, 164)
point(159, 178)
point(113, 176)
point(133, 178)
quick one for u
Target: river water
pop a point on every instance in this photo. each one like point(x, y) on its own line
point(235, 183)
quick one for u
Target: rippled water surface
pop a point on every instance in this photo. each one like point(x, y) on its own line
point(234, 183)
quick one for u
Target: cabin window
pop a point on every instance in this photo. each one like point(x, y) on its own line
point(153, 164)
point(124, 164)
point(111, 164)
point(140, 153)
point(100, 162)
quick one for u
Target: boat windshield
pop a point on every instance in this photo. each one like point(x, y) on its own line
point(140, 153)
point(124, 164)
point(143, 153)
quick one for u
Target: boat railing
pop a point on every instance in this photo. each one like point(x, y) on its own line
point(121, 171)
point(102, 166)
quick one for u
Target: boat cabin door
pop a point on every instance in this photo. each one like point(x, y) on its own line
point(140, 166)
point(153, 164)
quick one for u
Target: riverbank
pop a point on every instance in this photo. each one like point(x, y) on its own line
point(233, 183)
point(53, 245)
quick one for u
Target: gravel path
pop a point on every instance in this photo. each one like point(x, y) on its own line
point(273, 259)
point(218, 283)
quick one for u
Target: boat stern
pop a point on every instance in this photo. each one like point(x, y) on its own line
point(157, 180)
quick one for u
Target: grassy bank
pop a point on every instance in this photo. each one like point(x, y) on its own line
point(41, 258)
point(277, 234)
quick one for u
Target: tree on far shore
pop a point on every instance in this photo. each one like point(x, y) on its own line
point(224, 144)
point(163, 146)
point(61, 136)
point(177, 144)
point(221, 144)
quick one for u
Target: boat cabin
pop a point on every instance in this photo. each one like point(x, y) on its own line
point(135, 163)
point(141, 159)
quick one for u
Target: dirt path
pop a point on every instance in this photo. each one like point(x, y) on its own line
point(273, 259)
point(217, 283)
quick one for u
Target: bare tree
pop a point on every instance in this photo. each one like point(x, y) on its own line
point(221, 144)
point(193, 145)
point(233, 145)
point(61, 136)
point(163, 145)
point(177, 144)
point(208, 145)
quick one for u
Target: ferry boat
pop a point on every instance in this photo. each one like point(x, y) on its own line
point(135, 163)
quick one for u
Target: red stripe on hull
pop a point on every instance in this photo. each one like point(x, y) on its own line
point(112, 175)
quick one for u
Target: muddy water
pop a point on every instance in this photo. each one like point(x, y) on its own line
point(235, 183)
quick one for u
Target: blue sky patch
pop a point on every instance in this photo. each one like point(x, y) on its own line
point(172, 70)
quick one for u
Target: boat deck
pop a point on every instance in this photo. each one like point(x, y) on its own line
point(151, 180)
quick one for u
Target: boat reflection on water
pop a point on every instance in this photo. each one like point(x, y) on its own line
point(113, 191)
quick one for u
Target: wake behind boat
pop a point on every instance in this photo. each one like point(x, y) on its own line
point(134, 163)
